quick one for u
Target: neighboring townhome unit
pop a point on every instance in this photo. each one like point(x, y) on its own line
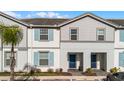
point(21, 50)
point(86, 41)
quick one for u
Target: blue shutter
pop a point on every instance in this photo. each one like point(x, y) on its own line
point(121, 59)
point(122, 35)
point(50, 34)
point(36, 34)
point(51, 58)
point(36, 58)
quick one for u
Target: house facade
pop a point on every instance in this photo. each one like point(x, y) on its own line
point(86, 41)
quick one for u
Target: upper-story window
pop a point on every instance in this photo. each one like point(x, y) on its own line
point(101, 34)
point(121, 35)
point(73, 34)
point(43, 34)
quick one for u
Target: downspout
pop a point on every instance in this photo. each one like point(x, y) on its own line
point(2, 53)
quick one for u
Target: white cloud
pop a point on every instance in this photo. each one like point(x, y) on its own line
point(50, 15)
point(41, 14)
point(37, 14)
point(13, 14)
point(29, 16)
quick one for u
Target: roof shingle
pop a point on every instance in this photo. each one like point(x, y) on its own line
point(119, 22)
point(56, 21)
point(44, 21)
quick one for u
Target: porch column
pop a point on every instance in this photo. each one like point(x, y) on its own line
point(98, 61)
point(77, 60)
point(87, 60)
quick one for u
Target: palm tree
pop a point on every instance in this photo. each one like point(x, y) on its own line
point(11, 35)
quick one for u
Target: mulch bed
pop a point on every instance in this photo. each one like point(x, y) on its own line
point(37, 74)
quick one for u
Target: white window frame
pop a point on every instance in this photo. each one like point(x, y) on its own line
point(73, 34)
point(42, 58)
point(41, 34)
point(99, 34)
point(9, 59)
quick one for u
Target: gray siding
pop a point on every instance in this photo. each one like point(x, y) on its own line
point(87, 30)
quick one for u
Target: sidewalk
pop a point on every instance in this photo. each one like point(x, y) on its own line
point(66, 78)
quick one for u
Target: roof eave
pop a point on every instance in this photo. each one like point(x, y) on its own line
point(13, 19)
point(45, 26)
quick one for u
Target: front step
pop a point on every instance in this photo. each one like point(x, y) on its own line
point(73, 70)
point(100, 72)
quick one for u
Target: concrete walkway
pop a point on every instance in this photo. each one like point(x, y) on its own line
point(79, 73)
point(64, 78)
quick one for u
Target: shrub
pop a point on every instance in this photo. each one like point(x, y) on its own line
point(89, 70)
point(114, 70)
point(50, 70)
point(20, 71)
point(59, 70)
point(5, 71)
point(38, 70)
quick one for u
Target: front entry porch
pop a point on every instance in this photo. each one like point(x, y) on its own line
point(99, 61)
point(75, 61)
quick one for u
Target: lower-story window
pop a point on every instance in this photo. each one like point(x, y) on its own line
point(121, 59)
point(43, 60)
point(7, 56)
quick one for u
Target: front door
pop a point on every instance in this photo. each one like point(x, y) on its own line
point(93, 61)
point(72, 61)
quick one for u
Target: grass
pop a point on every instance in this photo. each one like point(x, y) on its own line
point(37, 74)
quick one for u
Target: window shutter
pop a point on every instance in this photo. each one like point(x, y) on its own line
point(122, 35)
point(121, 59)
point(51, 58)
point(36, 34)
point(36, 58)
point(50, 34)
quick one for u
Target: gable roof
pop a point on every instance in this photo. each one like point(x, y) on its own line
point(92, 16)
point(13, 19)
point(59, 22)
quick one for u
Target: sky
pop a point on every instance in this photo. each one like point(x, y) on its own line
point(64, 14)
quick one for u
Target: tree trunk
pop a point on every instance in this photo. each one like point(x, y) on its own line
point(12, 65)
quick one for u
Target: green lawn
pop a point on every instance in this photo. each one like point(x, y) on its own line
point(37, 74)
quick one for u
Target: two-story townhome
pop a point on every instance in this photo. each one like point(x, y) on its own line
point(86, 41)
